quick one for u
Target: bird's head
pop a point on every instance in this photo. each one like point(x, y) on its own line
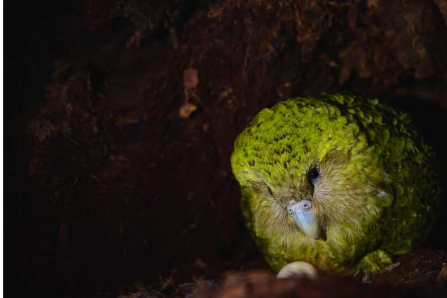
point(308, 171)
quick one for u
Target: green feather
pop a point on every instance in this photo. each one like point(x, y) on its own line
point(377, 194)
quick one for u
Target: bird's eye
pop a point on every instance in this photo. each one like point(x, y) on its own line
point(314, 174)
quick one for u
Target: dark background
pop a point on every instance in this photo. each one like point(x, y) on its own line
point(109, 179)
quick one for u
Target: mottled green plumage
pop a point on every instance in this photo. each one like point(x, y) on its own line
point(377, 194)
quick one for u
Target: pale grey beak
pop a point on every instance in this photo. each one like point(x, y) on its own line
point(304, 216)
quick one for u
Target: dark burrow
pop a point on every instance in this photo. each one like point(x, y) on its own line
point(120, 118)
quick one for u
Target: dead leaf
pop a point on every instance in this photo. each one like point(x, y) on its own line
point(187, 109)
point(190, 78)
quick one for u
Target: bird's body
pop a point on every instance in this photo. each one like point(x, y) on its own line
point(339, 181)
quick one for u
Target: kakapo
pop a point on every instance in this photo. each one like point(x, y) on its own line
point(340, 181)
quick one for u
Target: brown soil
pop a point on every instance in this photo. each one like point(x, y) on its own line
point(121, 115)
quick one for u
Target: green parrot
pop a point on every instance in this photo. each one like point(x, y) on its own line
point(339, 181)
